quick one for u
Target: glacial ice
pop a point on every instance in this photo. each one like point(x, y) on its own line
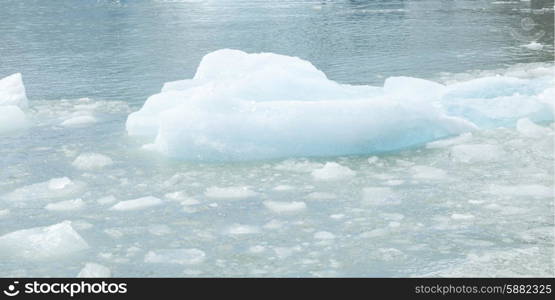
point(13, 102)
point(266, 105)
point(39, 243)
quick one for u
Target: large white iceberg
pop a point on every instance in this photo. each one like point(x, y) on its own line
point(242, 106)
point(13, 102)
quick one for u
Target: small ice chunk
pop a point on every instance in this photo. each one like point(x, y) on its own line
point(283, 188)
point(333, 171)
point(379, 196)
point(67, 205)
point(38, 243)
point(476, 153)
point(94, 270)
point(324, 235)
point(232, 192)
point(533, 46)
point(337, 216)
point(239, 229)
point(285, 207)
point(136, 204)
point(427, 172)
point(79, 121)
point(372, 160)
point(531, 129)
point(58, 183)
point(106, 200)
point(176, 256)
point(4, 212)
point(92, 161)
point(462, 217)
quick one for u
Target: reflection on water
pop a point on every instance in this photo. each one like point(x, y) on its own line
point(125, 50)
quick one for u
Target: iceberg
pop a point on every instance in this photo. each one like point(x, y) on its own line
point(13, 102)
point(241, 106)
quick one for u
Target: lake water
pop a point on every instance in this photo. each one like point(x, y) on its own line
point(480, 204)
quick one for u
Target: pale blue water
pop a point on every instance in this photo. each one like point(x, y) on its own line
point(455, 213)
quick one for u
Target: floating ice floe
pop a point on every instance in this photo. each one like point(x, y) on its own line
point(232, 192)
point(94, 270)
point(333, 171)
point(92, 161)
point(285, 207)
point(533, 46)
point(176, 256)
point(267, 105)
point(137, 204)
point(240, 229)
point(58, 240)
point(67, 205)
point(13, 102)
point(51, 189)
